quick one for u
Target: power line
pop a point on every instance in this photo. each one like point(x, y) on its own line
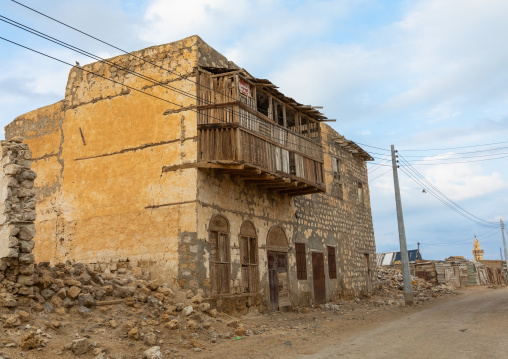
point(379, 148)
point(454, 148)
point(461, 153)
point(89, 54)
point(115, 47)
point(91, 72)
point(140, 58)
point(458, 158)
point(449, 163)
point(71, 47)
point(372, 180)
point(428, 190)
point(441, 193)
point(458, 242)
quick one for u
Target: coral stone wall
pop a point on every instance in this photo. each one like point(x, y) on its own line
point(17, 218)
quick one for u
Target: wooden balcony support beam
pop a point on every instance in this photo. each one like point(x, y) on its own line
point(252, 171)
point(302, 193)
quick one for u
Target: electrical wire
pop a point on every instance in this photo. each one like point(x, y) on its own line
point(49, 38)
point(428, 190)
point(454, 148)
point(412, 169)
point(449, 163)
point(460, 153)
point(372, 180)
point(115, 47)
point(458, 158)
point(456, 243)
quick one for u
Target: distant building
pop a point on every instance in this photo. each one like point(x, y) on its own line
point(391, 258)
point(477, 251)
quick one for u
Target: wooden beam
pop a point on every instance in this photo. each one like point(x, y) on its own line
point(179, 167)
point(302, 193)
point(258, 178)
point(234, 171)
point(225, 166)
point(300, 187)
point(274, 185)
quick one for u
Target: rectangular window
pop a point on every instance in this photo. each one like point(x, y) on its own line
point(360, 192)
point(219, 262)
point(301, 261)
point(249, 262)
point(336, 168)
point(332, 264)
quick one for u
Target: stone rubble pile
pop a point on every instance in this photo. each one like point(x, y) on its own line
point(391, 287)
point(128, 304)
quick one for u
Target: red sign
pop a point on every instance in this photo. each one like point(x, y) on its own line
point(244, 88)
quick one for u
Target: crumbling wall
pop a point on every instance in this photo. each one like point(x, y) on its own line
point(17, 218)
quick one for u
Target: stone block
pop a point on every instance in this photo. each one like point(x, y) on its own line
point(27, 232)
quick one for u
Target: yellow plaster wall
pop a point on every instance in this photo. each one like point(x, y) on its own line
point(113, 202)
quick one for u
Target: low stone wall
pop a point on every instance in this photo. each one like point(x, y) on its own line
point(17, 216)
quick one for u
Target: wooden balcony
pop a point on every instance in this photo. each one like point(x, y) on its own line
point(234, 139)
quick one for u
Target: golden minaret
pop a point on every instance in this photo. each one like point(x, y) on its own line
point(477, 251)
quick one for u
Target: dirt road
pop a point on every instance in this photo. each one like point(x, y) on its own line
point(471, 325)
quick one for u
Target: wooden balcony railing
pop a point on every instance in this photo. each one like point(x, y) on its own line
point(285, 161)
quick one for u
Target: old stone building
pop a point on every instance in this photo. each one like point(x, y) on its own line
point(176, 160)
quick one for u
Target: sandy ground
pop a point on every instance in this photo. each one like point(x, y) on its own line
point(472, 324)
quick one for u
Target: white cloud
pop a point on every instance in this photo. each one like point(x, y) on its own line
point(462, 181)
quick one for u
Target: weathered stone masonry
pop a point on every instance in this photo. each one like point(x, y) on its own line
point(17, 218)
point(120, 184)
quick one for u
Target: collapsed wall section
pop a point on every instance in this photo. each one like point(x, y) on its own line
point(17, 218)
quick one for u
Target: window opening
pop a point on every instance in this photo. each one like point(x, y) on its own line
point(249, 258)
point(332, 264)
point(360, 192)
point(219, 255)
point(263, 102)
point(278, 113)
point(292, 163)
point(336, 168)
point(304, 126)
point(301, 261)
point(290, 119)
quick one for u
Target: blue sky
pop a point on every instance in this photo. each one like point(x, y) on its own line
point(418, 74)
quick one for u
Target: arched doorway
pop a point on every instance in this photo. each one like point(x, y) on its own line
point(249, 257)
point(220, 257)
point(277, 253)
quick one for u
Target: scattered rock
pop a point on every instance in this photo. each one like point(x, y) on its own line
point(80, 346)
point(150, 339)
point(133, 333)
point(73, 292)
point(7, 300)
point(11, 320)
point(240, 331)
point(172, 324)
point(30, 341)
point(153, 353)
point(187, 310)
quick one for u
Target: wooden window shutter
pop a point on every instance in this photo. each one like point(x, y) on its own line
point(301, 261)
point(332, 264)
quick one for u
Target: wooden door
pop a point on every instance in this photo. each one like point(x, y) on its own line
point(277, 279)
point(318, 276)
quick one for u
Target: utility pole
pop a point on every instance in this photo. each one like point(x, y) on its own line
point(408, 286)
point(504, 243)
